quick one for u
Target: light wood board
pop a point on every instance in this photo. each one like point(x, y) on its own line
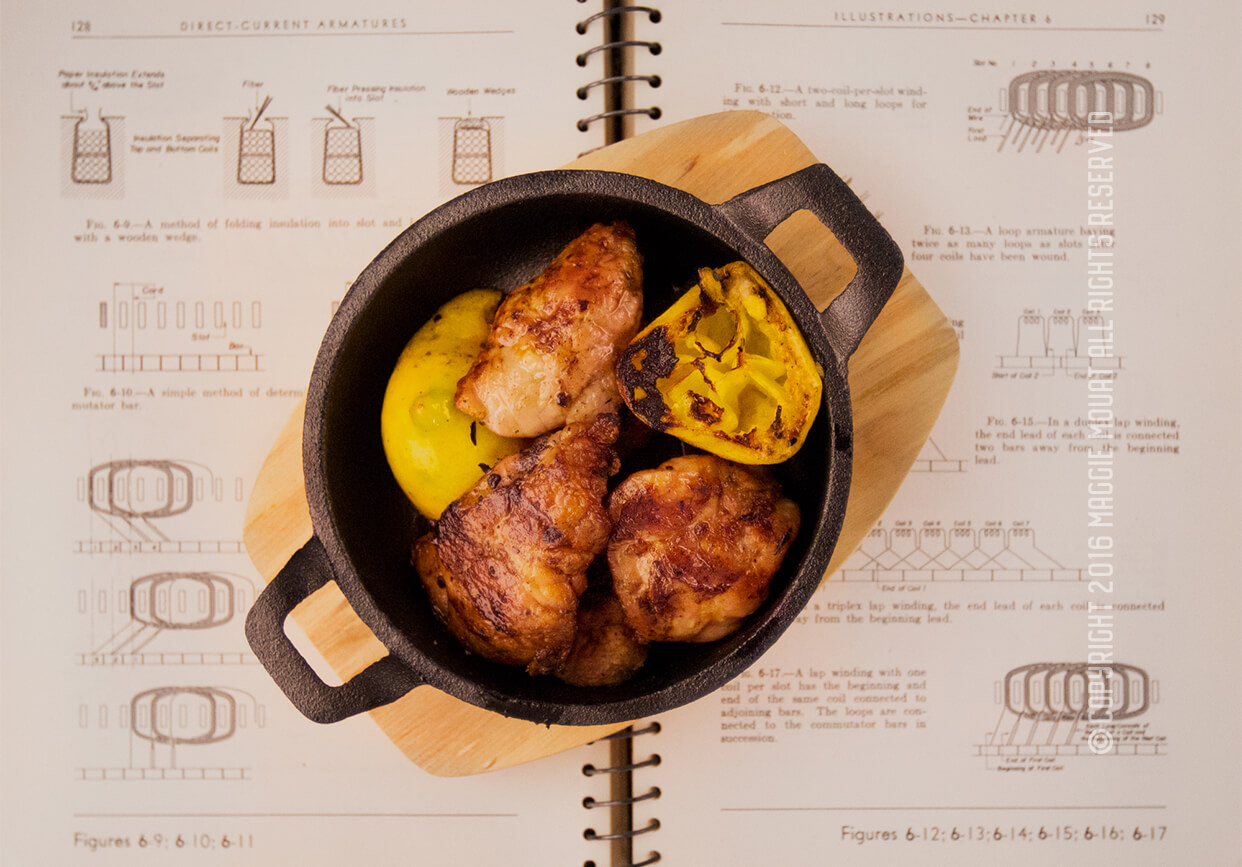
point(899, 379)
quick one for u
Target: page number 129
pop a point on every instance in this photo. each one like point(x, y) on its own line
point(1154, 19)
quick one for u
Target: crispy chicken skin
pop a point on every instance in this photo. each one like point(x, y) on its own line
point(551, 352)
point(606, 649)
point(695, 544)
point(505, 564)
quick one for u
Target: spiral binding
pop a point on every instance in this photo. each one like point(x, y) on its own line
point(615, 74)
point(652, 13)
point(621, 754)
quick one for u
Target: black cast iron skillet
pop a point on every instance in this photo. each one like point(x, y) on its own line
point(501, 235)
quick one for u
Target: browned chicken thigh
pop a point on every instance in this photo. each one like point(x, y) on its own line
point(551, 352)
point(606, 648)
point(506, 563)
point(695, 544)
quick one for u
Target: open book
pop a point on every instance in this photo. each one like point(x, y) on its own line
point(190, 189)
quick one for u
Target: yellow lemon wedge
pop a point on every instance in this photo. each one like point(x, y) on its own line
point(436, 451)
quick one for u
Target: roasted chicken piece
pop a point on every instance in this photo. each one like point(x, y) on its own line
point(505, 564)
point(606, 649)
point(552, 349)
point(695, 544)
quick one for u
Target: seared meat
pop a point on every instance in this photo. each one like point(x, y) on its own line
point(606, 649)
point(506, 563)
point(554, 342)
point(695, 545)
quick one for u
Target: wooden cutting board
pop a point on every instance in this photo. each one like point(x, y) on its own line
point(899, 378)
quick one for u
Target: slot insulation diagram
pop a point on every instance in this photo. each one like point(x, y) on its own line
point(343, 150)
point(471, 151)
point(92, 143)
point(256, 148)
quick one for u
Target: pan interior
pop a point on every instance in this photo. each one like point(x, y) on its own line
point(504, 247)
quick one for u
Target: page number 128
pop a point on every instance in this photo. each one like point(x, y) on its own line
point(79, 27)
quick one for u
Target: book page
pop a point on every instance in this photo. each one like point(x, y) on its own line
point(189, 191)
point(1034, 657)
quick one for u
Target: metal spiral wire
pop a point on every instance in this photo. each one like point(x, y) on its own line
point(612, 45)
point(653, 15)
point(622, 797)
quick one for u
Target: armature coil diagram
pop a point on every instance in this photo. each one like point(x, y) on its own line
point(169, 617)
point(155, 506)
point(181, 731)
point(1052, 710)
point(1050, 108)
point(953, 554)
point(1072, 100)
point(1062, 342)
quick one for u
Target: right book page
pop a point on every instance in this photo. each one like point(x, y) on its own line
point(1064, 182)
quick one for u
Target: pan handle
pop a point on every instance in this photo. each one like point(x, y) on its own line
point(819, 190)
point(382, 682)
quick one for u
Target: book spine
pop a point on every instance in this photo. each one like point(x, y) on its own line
point(622, 798)
point(620, 74)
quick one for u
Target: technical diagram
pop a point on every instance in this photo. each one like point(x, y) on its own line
point(150, 332)
point(168, 617)
point(953, 554)
point(343, 149)
point(1069, 99)
point(92, 149)
point(1061, 709)
point(1062, 343)
point(120, 488)
point(472, 149)
point(173, 732)
point(1048, 108)
point(932, 460)
point(255, 149)
point(92, 152)
point(150, 506)
point(150, 605)
point(183, 715)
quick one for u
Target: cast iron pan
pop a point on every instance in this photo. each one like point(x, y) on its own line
point(502, 235)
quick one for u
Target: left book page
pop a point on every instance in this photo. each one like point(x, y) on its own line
point(189, 190)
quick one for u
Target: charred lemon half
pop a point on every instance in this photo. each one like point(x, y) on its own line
point(725, 369)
